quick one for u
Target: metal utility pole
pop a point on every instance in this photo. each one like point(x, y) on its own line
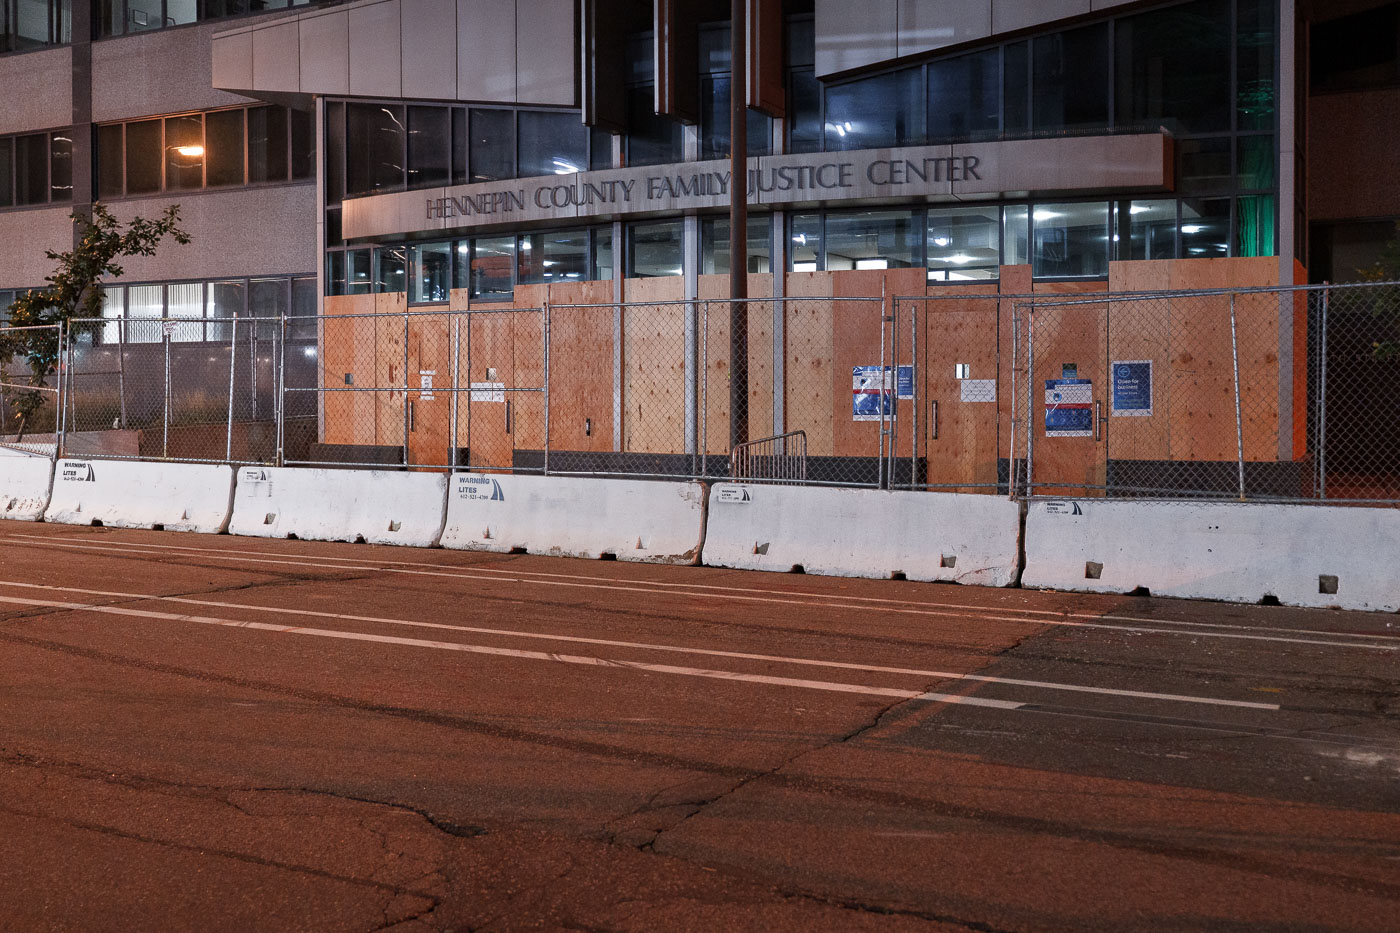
point(738, 226)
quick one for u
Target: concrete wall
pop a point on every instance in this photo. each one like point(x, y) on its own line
point(236, 232)
point(158, 72)
point(25, 235)
point(854, 35)
point(38, 90)
point(507, 51)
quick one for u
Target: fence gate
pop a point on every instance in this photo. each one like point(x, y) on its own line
point(501, 406)
point(1066, 365)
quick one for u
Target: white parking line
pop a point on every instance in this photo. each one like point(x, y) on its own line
point(650, 646)
point(526, 655)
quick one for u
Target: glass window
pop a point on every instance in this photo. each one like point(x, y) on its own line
point(462, 265)
point(964, 243)
point(714, 245)
point(303, 143)
point(143, 161)
point(375, 162)
point(302, 317)
point(1349, 52)
point(431, 272)
point(1205, 228)
point(359, 271)
point(1146, 229)
point(429, 146)
point(1254, 163)
point(1255, 217)
point(1173, 68)
point(1016, 89)
point(873, 240)
point(61, 167)
point(1015, 242)
point(223, 148)
point(602, 254)
point(964, 97)
point(335, 273)
point(492, 145)
point(109, 161)
point(1070, 80)
point(32, 169)
point(145, 305)
point(805, 242)
point(113, 310)
point(224, 301)
point(875, 113)
point(459, 145)
point(552, 257)
point(1071, 240)
point(335, 152)
point(1254, 36)
point(390, 269)
point(600, 149)
point(267, 144)
point(551, 144)
point(185, 300)
point(184, 152)
point(651, 139)
point(1203, 165)
point(143, 14)
point(804, 112)
point(655, 249)
point(715, 117)
point(267, 300)
point(7, 157)
point(493, 268)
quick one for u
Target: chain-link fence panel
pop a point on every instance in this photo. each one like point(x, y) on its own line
point(198, 390)
point(1353, 418)
point(1214, 394)
point(30, 414)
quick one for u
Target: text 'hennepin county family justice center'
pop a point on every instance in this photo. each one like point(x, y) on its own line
point(464, 205)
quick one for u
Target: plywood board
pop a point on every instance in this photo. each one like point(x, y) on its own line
point(430, 385)
point(581, 369)
point(654, 367)
point(807, 382)
point(714, 388)
point(389, 369)
point(959, 327)
point(1068, 335)
point(347, 361)
point(486, 357)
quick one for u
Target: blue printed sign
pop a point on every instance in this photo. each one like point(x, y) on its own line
point(870, 393)
point(1069, 408)
point(904, 382)
point(1132, 388)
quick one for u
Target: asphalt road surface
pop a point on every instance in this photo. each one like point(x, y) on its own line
point(221, 733)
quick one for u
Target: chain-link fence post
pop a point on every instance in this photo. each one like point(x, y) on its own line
point(1030, 400)
point(65, 356)
point(165, 406)
point(279, 403)
point(456, 332)
point(232, 361)
point(1322, 401)
point(1239, 420)
point(545, 328)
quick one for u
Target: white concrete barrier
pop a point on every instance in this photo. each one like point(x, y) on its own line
point(637, 520)
point(25, 483)
point(136, 494)
point(1302, 555)
point(864, 533)
point(375, 506)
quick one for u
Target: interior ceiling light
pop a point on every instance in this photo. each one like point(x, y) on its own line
point(190, 152)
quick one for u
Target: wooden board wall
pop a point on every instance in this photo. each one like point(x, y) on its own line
point(714, 388)
point(347, 361)
point(807, 359)
point(581, 367)
point(653, 419)
point(958, 325)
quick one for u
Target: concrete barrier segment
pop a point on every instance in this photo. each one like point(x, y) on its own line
point(26, 480)
point(372, 506)
point(864, 533)
point(634, 520)
point(139, 494)
point(1300, 555)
